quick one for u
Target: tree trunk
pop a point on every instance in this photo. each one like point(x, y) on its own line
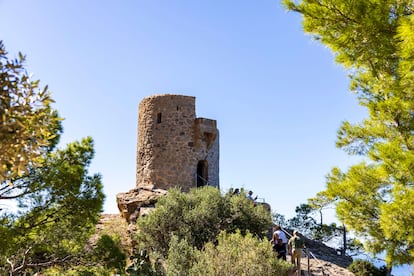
point(345, 244)
point(320, 214)
point(388, 272)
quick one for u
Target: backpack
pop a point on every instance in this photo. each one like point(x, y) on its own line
point(298, 242)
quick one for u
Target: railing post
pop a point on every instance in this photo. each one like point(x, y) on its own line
point(307, 254)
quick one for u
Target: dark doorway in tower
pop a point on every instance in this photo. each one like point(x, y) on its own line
point(202, 173)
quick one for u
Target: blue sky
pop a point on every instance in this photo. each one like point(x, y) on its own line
point(278, 97)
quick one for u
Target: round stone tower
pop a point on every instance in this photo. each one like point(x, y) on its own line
point(175, 149)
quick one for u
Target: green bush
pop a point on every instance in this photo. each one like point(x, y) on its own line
point(105, 258)
point(78, 271)
point(141, 265)
point(181, 257)
point(198, 217)
point(365, 268)
point(108, 253)
point(247, 217)
point(236, 254)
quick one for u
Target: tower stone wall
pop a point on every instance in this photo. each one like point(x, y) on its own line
point(175, 148)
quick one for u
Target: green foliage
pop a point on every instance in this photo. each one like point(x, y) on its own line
point(279, 219)
point(398, 218)
point(245, 216)
point(307, 225)
point(141, 265)
point(181, 257)
point(365, 268)
point(109, 253)
point(303, 221)
point(79, 270)
point(50, 204)
point(326, 232)
point(198, 217)
point(104, 258)
point(374, 41)
point(237, 254)
point(28, 124)
point(59, 205)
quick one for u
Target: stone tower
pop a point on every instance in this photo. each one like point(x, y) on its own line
point(175, 149)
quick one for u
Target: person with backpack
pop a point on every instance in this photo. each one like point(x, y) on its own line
point(295, 246)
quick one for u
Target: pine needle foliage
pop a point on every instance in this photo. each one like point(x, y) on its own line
point(374, 41)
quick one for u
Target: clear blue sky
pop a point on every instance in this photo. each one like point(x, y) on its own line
point(278, 97)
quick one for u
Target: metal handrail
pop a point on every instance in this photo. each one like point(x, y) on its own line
point(308, 252)
point(202, 178)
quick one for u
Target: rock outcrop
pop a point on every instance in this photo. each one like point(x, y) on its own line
point(138, 202)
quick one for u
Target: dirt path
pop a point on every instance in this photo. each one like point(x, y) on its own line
point(320, 268)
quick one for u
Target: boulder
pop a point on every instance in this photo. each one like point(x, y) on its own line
point(138, 202)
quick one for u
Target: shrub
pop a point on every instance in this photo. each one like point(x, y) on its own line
point(78, 271)
point(236, 254)
point(247, 217)
point(365, 268)
point(105, 258)
point(181, 257)
point(141, 265)
point(109, 253)
point(198, 217)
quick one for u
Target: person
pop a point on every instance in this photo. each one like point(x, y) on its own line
point(295, 246)
point(236, 191)
point(250, 196)
point(279, 242)
point(279, 249)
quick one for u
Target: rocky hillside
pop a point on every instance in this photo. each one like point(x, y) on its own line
point(325, 256)
point(323, 268)
point(323, 260)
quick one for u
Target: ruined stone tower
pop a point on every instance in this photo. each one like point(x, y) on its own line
point(175, 149)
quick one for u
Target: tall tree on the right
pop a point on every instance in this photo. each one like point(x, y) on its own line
point(374, 41)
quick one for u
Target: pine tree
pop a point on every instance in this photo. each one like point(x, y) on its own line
point(374, 41)
point(49, 204)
